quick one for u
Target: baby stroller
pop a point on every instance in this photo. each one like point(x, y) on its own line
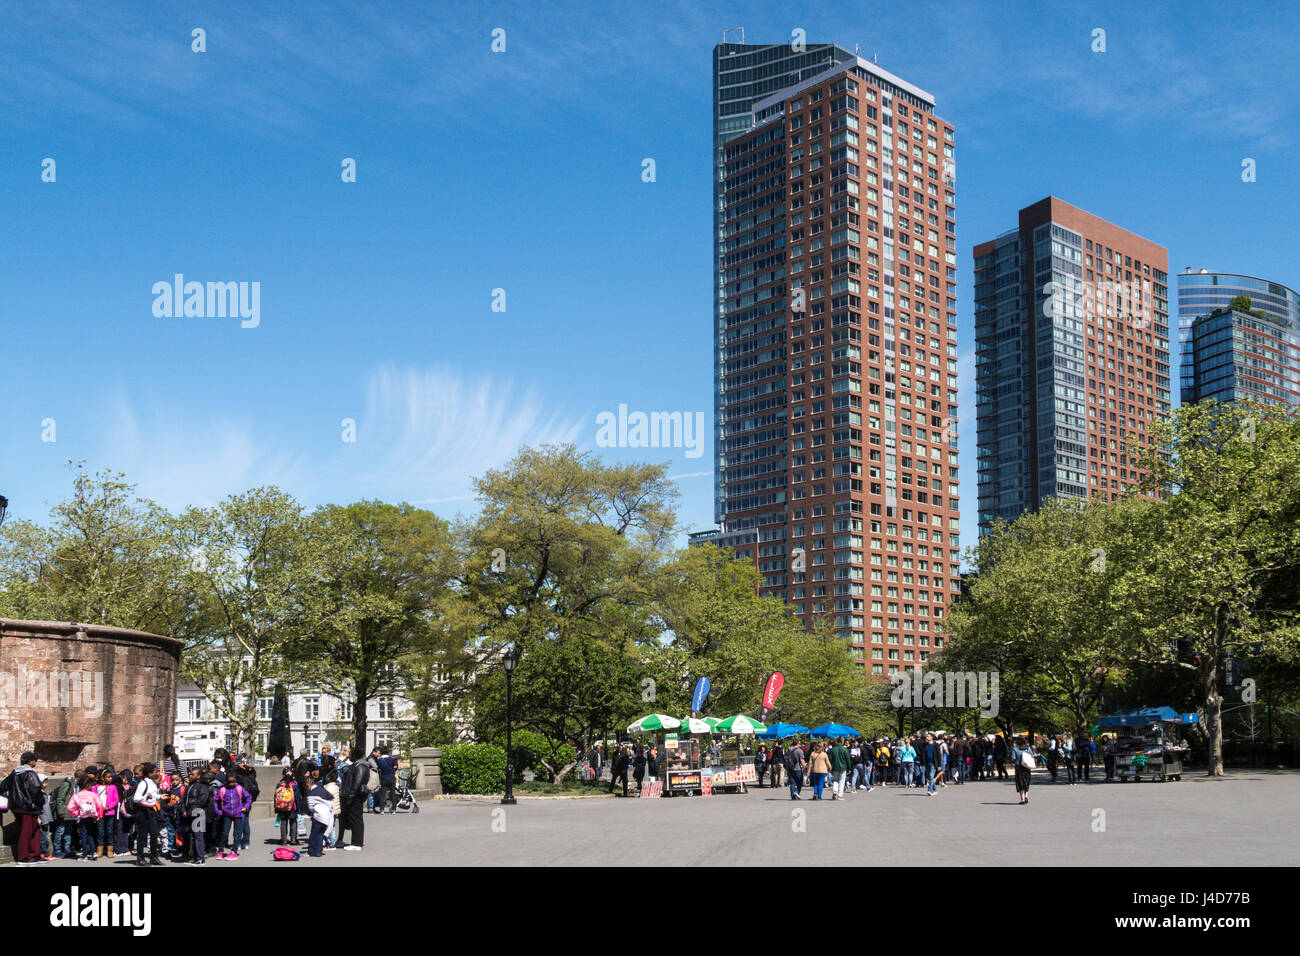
point(402, 793)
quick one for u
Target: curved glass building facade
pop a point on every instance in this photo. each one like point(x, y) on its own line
point(1202, 292)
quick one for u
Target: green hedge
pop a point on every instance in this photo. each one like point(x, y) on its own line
point(474, 768)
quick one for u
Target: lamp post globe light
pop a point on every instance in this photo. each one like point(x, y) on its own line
point(510, 659)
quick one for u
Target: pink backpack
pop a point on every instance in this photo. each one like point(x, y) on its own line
point(285, 853)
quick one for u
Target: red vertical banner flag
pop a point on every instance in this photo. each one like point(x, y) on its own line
point(770, 693)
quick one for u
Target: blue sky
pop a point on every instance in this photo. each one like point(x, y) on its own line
point(521, 171)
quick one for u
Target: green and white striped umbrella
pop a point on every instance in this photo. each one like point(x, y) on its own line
point(651, 723)
point(740, 724)
point(697, 725)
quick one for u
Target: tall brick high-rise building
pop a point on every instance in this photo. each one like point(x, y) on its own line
point(744, 73)
point(1072, 357)
point(836, 356)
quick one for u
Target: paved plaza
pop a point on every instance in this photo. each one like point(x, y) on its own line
point(1250, 819)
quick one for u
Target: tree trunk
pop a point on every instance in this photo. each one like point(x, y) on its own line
point(360, 723)
point(557, 776)
point(1213, 714)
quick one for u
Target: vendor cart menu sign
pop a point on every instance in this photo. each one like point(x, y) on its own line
point(652, 788)
point(742, 774)
point(683, 779)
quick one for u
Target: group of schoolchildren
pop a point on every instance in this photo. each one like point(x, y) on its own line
point(161, 813)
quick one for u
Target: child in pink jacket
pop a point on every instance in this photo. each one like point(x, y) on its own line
point(111, 794)
point(87, 808)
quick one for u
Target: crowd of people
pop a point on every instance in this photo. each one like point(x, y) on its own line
point(931, 761)
point(171, 812)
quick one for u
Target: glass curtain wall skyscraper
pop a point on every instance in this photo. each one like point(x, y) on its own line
point(1243, 356)
point(1072, 358)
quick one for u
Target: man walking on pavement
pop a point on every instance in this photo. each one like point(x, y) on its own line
point(840, 762)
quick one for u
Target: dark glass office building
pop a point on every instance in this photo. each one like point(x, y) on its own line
point(1072, 358)
point(1234, 354)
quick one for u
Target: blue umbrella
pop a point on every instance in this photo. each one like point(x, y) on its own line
point(781, 731)
point(833, 730)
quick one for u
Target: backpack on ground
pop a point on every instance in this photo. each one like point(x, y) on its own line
point(284, 798)
point(285, 853)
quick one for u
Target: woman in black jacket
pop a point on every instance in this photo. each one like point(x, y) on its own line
point(352, 800)
point(196, 812)
point(638, 767)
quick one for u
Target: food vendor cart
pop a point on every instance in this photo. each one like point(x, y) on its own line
point(1148, 742)
point(732, 771)
point(679, 767)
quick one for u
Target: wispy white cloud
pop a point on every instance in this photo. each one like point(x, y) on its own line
point(427, 432)
point(179, 460)
point(287, 71)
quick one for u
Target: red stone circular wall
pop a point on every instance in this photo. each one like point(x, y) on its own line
point(78, 694)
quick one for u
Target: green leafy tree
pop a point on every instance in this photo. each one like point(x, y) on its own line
point(565, 690)
point(710, 610)
point(562, 562)
point(374, 611)
point(1051, 607)
point(252, 568)
point(1218, 568)
point(102, 559)
point(823, 682)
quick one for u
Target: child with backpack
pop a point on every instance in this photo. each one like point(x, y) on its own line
point(286, 808)
point(86, 807)
point(232, 803)
point(65, 824)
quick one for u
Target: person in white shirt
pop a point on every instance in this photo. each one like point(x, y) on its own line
point(145, 797)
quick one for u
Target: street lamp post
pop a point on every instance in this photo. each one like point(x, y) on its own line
point(510, 659)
